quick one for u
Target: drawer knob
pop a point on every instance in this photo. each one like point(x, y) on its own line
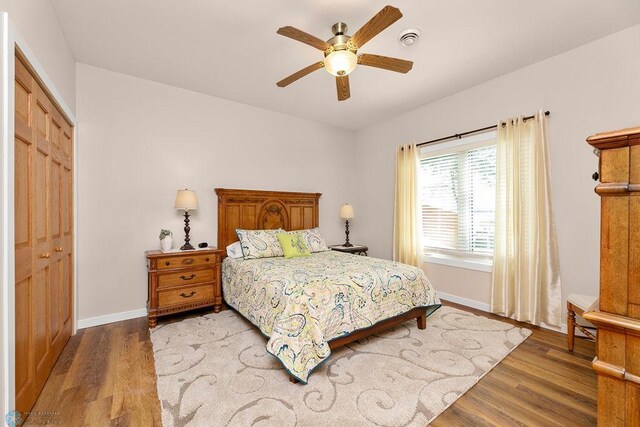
point(167, 263)
point(187, 261)
point(46, 255)
point(206, 259)
point(188, 278)
point(59, 249)
point(183, 295)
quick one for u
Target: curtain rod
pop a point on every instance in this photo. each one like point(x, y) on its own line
point(460, 135)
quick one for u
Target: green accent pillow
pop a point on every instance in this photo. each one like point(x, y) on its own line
point(293, 245)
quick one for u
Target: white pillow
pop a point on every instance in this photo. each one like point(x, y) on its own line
point(234, 250)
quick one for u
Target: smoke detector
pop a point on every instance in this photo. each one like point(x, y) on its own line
point(409, 37)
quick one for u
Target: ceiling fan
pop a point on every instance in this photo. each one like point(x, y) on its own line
point(340, 51)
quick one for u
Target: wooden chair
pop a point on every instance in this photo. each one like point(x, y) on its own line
point(578, 304)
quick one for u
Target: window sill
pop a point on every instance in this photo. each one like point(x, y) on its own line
point(469, 264)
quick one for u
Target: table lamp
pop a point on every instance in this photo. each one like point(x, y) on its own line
point(186, 200)
point(346, 213)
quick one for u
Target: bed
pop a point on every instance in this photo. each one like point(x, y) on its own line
point(308, 306)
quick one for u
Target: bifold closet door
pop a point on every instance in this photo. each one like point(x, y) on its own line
point(25, 88)
point(43, 225)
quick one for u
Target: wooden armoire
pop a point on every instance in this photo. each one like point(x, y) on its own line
point(618, 314)
point(43, 234)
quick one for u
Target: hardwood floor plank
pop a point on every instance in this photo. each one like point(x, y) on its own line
point(542, 372)
point(558, 391)
point(106, 376)
point(537, 401)
point(559, 367)
point(96, 413)
point(574, 359)
point(521, 410)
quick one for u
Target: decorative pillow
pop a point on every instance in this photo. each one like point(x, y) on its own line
point(313, 239)
point(234, 250)
point(260, 243)
point(293, 245)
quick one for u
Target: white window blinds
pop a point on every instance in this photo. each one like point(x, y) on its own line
point(458, 186)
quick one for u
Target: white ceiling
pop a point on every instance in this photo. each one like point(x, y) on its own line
point(230, 49)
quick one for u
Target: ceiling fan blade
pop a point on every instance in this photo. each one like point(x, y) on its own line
point(342, 84)
point(300, 74)
point(387, 16)
point(385, 62)
point(303, 37)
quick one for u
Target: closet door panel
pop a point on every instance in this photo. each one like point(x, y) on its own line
point(41, 208)
point(66, 202)
point(66, 212)
point(53, 305)
point(66, 289)
point(42, 119)
point(23, 99)
point(24, 94)
point(55, 218)
point(23, 186)
point(24, 342)
point(40, 339)
point(25, 88)
point(66, 142)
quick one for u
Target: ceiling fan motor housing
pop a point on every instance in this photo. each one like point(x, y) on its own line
point(340, 40)
point(339, 29)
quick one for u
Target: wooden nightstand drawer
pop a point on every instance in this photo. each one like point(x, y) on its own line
point(185, 278)
point(185, 295)
point(186, 261)
point(183, 281)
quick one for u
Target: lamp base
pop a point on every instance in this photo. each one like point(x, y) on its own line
point(187, 246)
point(346, 232)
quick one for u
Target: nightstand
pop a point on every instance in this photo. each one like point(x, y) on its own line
point(355, 249)
point(183, 281)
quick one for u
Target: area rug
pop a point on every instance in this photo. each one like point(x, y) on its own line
point(214, 371)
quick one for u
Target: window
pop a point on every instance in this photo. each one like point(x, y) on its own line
point(458, 187)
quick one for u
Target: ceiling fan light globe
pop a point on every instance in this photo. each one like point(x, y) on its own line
point(340, 62)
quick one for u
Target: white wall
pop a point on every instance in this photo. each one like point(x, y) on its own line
point(141, 141)
point(593, 88)
point(38, 25)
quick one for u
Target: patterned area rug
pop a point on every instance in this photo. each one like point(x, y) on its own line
point(214, 370)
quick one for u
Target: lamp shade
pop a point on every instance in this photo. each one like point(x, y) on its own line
point(186, 199)
point(346, 211)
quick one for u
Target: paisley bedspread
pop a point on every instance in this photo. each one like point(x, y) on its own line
point(301, 304)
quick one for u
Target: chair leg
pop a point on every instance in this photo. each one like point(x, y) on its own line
point(571, 328)
point(293, 379)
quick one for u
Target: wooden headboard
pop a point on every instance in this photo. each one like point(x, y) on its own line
point(263, 210)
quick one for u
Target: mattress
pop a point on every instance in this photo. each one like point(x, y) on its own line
point(301, 304)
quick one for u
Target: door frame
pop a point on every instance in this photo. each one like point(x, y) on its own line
point(10, 41)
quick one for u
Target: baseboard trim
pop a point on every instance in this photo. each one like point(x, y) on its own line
point(486, 307)
point(464, 301)
point(110, 318)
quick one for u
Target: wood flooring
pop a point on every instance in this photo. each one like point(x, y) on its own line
point(105, 376)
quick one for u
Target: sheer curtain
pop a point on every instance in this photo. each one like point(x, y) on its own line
point(407, 247)
point(526, 272)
